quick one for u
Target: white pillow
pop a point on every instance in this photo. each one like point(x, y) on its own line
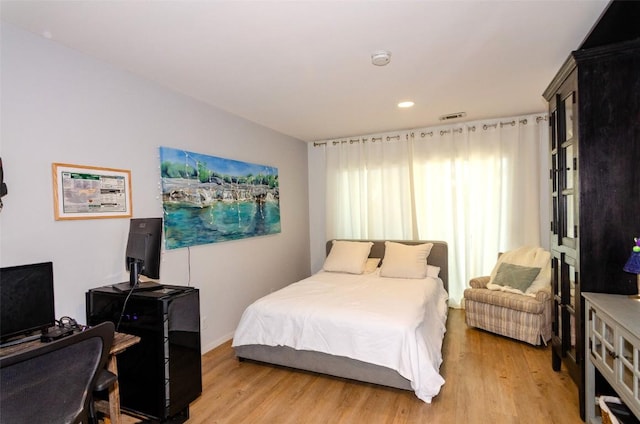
point(347, 256)
point(404, 261)
point(433, 271)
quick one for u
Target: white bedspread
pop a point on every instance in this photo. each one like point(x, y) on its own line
point(395, 323)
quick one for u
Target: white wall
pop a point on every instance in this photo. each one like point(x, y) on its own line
point(58, 105)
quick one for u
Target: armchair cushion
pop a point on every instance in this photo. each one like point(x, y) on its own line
point(507, 300)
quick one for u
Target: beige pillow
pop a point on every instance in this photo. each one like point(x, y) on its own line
point(347, 256)
point(371, 265)
point(404, 261)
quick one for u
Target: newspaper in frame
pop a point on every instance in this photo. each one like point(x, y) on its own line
point(87, 192)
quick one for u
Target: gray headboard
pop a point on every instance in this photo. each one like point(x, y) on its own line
point(439, 255)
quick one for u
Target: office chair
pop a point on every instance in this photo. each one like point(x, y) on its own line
point(54, 382)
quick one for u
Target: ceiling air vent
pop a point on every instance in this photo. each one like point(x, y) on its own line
point(453, 116)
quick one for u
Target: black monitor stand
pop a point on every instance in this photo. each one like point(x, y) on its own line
point(134, 283)
point(140, 286)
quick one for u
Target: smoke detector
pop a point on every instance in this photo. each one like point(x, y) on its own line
point(380, 57)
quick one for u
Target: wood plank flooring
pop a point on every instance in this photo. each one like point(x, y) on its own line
point(489, 379)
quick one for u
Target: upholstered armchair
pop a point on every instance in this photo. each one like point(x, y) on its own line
point(515, 300)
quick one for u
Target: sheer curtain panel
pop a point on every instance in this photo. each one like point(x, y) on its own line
point(368, 189)
point(473, 185)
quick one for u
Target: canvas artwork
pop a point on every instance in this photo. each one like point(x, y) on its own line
point(208, 199)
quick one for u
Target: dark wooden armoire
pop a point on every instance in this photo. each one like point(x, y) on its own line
point(594, 124)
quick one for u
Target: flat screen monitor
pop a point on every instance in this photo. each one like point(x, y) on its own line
point(144, 245)
point(26, 300)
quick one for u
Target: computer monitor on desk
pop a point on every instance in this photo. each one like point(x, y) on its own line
point(26, 301)
point(143, 254)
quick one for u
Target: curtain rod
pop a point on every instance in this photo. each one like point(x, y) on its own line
point(425, 133)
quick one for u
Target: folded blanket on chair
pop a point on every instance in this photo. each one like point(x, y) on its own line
point(533, 257)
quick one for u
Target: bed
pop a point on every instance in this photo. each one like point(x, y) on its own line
point(370, 326)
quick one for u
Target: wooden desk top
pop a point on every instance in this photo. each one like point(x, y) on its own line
point(121, 341)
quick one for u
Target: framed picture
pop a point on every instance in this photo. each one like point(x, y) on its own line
point(209, 199)
point(88, 192)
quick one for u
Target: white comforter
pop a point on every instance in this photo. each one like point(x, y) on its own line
point(395, 323)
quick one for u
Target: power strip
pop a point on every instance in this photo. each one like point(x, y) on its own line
point(55, 334)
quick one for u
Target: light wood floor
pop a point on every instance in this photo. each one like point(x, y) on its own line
point(489, 379)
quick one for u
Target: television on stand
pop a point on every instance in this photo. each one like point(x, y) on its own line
point(26, 302)
point(143, 254)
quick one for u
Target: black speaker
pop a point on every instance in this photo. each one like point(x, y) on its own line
point(161, 375)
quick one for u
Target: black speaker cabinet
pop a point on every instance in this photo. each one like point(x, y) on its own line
point(161, 375)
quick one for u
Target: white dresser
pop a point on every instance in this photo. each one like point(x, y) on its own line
point(613, 348)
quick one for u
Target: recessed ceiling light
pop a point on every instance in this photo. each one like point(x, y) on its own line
point(406, 104)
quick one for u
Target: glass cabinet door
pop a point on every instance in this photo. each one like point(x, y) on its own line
point(573, 310)
point(553, 176)
point(556, 283)
point(601, 333)
point(628, 373)
point(569, 300)
point(569, 103)
point(567, 161)
point(568, 197)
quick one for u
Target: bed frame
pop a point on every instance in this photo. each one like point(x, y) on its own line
point(339, 366)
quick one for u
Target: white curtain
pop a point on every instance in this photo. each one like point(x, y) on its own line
point(368, 189)
point(475, 186)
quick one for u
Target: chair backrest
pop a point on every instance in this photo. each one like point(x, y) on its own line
point(53, 382)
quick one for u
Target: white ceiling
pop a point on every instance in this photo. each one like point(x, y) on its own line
point(303, 68)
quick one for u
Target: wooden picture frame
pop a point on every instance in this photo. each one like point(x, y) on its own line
point(89, 192)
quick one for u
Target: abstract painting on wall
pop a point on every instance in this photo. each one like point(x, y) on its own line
point(207, 199)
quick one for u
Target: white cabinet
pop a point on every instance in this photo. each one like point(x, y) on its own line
point(613, 348)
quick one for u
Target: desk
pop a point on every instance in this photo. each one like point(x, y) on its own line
point(121, 341)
